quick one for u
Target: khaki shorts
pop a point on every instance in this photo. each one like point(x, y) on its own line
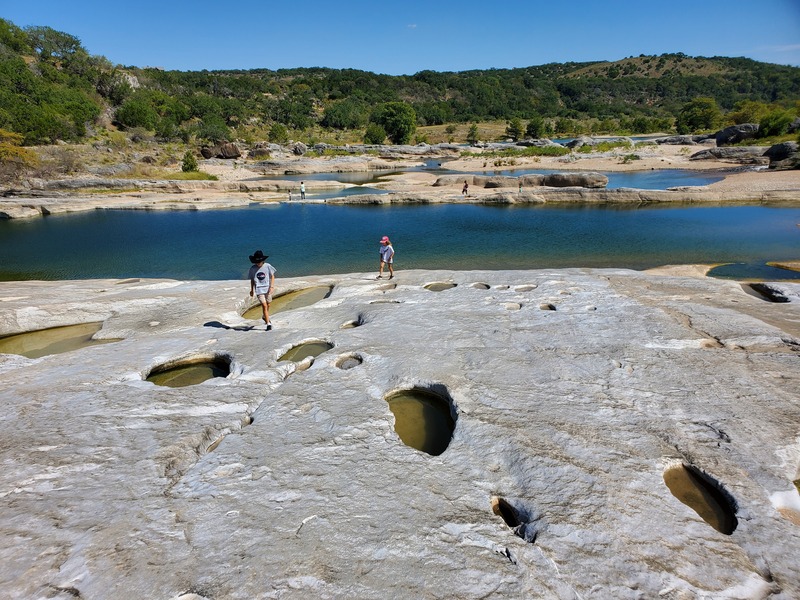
point(265, 298)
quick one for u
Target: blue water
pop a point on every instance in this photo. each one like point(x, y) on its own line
point(304, 239)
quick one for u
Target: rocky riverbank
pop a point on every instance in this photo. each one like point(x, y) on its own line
point(577, 396)
point(241, 181)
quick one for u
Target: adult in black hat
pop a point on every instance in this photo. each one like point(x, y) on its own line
point(262, 283)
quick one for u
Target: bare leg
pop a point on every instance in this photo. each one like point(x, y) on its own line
point(391, 271)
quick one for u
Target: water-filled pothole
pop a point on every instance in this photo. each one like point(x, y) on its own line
point(292, 301)
point(424, 419)
point(301, 351)
point(190, 372)
point(440, 286)
point(764, 292)
point(704, 495)
point(348, 361)
point(35, 344)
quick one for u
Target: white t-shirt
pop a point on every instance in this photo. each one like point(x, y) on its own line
point(387, 253)
point(261, 276)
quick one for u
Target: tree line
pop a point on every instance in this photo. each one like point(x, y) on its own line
point(52, 89)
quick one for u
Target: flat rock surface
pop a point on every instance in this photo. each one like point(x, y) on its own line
point(573, 391)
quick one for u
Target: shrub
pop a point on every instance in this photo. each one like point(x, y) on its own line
point(278, 134)
point(189, 164)
point(472, 134)
point(375, 134)
point(14, 160)
point(775, 123)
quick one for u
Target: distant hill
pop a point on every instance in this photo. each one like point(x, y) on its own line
point(51, 88)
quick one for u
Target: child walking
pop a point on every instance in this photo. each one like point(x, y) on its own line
point(387, 257)
point(262, 283)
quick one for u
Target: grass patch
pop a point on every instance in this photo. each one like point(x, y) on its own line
point(162, 174)
point(604, 147)
point(521, 152)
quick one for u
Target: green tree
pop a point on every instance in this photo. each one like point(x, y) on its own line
point(350, 113)
point(748, 111)
point(698, 115)
point(397, 119)
point(535, 127)
point(375, 134)
point(514, 129)
point(278, 133)
point(775, 123)
point(472, 134)
point(136, 112)
point(189, 164)
point(214, 129)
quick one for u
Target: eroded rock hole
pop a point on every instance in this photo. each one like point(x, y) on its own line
point(358, 322)
point(44, 342)
point(190, 372)
point(765, 292)
point(704, 495)
point(292, 301)
point(517, 520)
point(440, 286)
point(547, 306)
point(349, 361)
point(424, 418)
point(302, 351)
point(481, 286)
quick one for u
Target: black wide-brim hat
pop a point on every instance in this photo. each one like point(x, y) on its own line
point(258, 257)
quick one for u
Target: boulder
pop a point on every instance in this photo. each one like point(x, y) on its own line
point(229, 150)
point(539, 143)
point(738, 154)
point(736, 133)
point(781, 151)
point(587, 180)
point(209, 151)
point(496, 181)
point(298, 148)
point(683, 140)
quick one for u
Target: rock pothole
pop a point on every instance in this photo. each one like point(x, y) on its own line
point(479, 285)
point(425, 418)
point(182, 373)
point(291, 301)
point(305, 350)
point(765, 292)
point(518, 519)
point(440, 286)
point(56, 340)
point(349, 361)
point(357, 322)
point(703, 494)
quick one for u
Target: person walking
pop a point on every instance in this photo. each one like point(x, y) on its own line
point(465, 190)
point(262, 283)
point(387, 257)
point(302, 190)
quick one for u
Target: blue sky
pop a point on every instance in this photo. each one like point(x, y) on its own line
point(408, 36)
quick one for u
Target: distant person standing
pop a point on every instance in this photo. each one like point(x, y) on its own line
point(465, 190)
point(302, 190)
point(262, 283)
point(387, 257)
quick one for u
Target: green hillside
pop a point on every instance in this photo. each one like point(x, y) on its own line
point(52, 89)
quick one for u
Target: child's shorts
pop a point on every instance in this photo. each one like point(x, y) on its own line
point(265, 298)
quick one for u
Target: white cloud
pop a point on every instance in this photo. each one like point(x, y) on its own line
point(412, 26)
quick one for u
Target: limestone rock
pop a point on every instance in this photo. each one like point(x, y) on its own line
point(738, 154)
point(736, 133)
point(587, 180)
point(289, 480)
